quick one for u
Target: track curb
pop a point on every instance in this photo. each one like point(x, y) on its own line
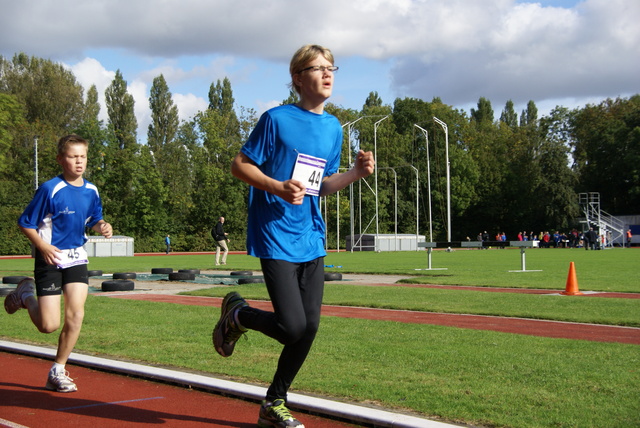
point(320, 406)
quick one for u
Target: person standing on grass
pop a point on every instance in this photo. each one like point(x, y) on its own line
point(221, 238)
point(55, 222)
point(167, 243)
point(290, 160)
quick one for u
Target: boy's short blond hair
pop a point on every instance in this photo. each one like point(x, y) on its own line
point(67, 140)
point(303, 56)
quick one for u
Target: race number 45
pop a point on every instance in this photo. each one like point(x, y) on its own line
point(72, 257)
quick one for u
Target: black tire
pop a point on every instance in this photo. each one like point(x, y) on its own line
point(193, 271)
point(250, 281)
point(241, 273)
point(182, 276)
point(161, 270)
point(94, 273)
point(118, 285)
point(5, 290)
point(332, 276)
point(12, 279)
point(124, 275)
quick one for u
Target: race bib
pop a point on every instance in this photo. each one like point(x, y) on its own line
point(72, 257)
point(309, 170)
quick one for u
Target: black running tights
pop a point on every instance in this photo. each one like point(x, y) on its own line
point(296, 291)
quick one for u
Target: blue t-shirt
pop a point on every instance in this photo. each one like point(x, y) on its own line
point(60, 212)
point(278, 229)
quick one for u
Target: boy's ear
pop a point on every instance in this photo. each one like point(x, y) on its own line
point(297, 80)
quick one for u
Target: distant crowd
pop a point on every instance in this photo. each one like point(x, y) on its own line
point(589, 240)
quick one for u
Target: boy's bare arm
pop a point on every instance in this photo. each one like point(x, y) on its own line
point(363, 167)
point(103, 228)
point(245, 169)
point(48, 251)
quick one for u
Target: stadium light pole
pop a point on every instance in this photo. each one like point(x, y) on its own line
point(375, 157)
point(349, 126)
point(35, 163)
point(446, 136)
point(395, 206)
point(426, 136)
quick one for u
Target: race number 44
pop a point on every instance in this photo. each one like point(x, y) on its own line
point(310, 171)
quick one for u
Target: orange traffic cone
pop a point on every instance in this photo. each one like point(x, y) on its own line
point(572, 282)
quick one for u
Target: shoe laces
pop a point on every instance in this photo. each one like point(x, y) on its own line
point(281, 410)
point(62, 376)
point(234, 333)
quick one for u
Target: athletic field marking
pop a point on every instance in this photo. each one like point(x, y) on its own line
point(108, 404)
point(6, 423)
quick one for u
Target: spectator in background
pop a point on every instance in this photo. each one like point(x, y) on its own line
point(167, 242)
point(221, 238)
point(593, 238)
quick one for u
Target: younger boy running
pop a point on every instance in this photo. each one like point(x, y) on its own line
point(290, 159)
point(55, 221)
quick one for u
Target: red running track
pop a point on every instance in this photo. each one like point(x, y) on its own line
point(556, 329)
point(111, 400)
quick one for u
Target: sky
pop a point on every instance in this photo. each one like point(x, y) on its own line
point(555, 52)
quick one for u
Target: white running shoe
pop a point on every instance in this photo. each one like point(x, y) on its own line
point(60, 382)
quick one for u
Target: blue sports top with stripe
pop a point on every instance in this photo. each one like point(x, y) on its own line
point(278, 229)
point(60, 212)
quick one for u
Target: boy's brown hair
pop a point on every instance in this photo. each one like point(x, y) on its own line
point(303, 56)
point(67, 140)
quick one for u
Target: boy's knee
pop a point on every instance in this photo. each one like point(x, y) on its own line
point(300, 331)
point(74, 318)
point(48, 328)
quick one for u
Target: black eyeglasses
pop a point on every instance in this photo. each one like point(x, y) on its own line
point(316, 68)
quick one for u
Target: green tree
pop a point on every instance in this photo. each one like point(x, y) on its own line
point(221, 96)
point(509, 115)
point(48, 91)
point(529, 116)
point(120, 109)
point(292, 99)
point(557, 181)
point(164, 116)
point(484, 114)
point(607, 153)
point(373, 100)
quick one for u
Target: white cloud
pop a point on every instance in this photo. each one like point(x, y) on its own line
point(458, 50)
point(90, 72)
point(189, 105)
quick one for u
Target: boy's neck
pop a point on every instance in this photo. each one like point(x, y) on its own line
point(76, 181)
point(314, 107)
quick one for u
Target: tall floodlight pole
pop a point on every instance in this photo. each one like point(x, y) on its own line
point(375, 157)
point(395, 203)
point(349, 126)
point(446, 136)
point(426, 136)
point(35, 163)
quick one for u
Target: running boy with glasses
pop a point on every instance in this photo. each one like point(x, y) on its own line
point(55, 221)
point(290, 159)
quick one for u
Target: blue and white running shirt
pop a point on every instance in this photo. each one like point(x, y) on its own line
point(60, 212)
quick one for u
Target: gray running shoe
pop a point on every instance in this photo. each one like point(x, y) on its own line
point(226, 333)
point(277, 415)
point(60, 382)
point(13, 301)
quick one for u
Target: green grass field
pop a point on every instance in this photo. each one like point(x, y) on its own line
point(459, 375)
